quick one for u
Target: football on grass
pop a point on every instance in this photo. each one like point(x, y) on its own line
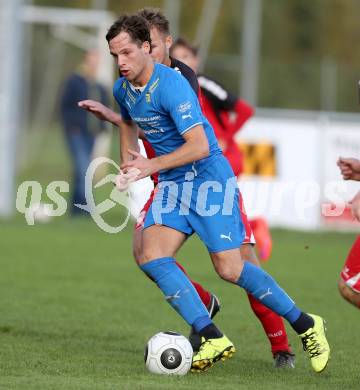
point(168, 353)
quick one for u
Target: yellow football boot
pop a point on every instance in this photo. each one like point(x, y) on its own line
point(211, 351)
point(315, 343)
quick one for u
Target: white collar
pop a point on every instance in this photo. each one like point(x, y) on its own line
point(137, 89)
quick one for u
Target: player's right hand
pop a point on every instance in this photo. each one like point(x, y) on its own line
point(100, 111)
point(145, 166)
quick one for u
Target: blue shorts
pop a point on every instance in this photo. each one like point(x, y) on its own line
point(206, 203)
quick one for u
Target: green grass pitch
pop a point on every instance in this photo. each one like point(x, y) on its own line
point(75, 312)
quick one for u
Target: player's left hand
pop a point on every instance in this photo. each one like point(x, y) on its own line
point(146, 166)
point(355, 206)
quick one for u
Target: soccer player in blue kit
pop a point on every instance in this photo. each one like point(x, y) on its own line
point(197, 193)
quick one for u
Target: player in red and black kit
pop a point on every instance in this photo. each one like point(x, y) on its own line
point(226, 114)
point(349, 283)
point(273, 324)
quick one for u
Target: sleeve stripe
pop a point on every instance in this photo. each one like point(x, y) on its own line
point(190, 127)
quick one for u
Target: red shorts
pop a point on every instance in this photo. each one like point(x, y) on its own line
point(249, 236)
point(351, 271)
point(141, 218)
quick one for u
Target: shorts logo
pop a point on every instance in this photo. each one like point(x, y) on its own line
point(183, 107)
point(226, 237)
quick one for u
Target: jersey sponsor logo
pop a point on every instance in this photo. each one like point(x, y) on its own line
point(148, 97)
point(147, 119)
point(153, 131)
point(183, 107)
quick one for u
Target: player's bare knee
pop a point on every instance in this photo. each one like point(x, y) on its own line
point(228, 273)
point(228, 264)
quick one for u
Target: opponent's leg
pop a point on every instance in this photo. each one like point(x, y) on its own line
point(263, 238)
point(349, 284)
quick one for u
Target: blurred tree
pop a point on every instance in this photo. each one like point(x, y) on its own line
point(298, 38)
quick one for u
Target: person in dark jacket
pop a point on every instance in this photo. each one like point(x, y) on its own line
point(80, 127)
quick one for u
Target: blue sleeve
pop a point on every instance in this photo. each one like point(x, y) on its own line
point(180, 101)
point(119, 91)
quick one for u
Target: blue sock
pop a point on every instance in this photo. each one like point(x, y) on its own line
point(264, 288)
point(178, 291)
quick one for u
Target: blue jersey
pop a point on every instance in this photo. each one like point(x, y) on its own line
point(165, 110)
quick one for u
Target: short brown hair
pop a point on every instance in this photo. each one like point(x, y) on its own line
point(136, 26)
point(184, 43)
point(155, 18)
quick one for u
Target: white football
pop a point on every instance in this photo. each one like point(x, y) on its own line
point(39, 212)
point(168, 353)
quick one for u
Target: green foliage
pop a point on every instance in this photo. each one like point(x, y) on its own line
point(297, 37)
